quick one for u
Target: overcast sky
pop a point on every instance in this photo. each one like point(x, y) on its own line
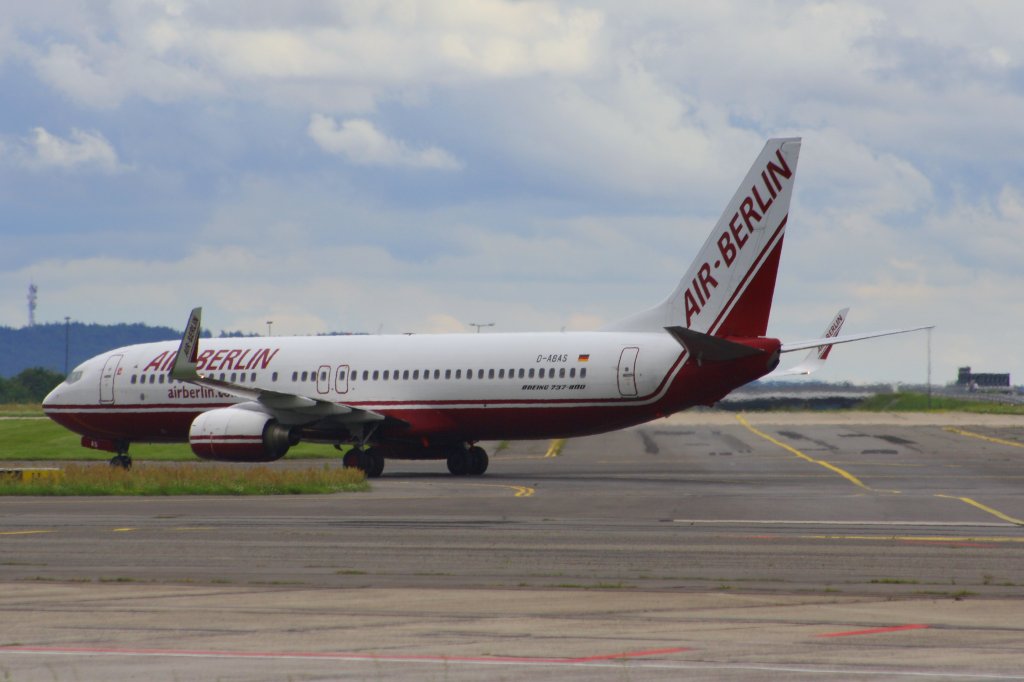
point(417, 166)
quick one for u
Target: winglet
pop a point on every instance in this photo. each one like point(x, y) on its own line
point(184, 367)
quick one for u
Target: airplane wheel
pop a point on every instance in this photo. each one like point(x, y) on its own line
point(374, 463)
point(351, 459)
point(458, 463)
point(478, 461)
point(121, 460)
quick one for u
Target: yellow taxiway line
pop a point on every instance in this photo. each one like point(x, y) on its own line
point(856, 481)
point(555, 449)
point(789, 448)
point(978, 505)
point(979, 436)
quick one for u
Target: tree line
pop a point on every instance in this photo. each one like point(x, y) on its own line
point(29, 386)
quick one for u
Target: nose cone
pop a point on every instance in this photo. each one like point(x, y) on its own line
point(56, 397)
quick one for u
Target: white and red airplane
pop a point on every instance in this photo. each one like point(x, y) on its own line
point(435, 396)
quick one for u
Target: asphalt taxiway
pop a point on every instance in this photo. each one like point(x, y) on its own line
point(704, 546)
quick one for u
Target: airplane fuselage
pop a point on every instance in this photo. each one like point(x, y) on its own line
point(446, 386)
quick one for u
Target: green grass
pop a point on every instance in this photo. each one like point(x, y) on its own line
point(918, 402)
point(39, 439)
point(203, 478)
point(18, 410)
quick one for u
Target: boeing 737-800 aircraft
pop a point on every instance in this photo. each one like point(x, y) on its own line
point(434, 396)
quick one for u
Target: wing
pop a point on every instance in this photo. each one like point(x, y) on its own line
point(289, 408)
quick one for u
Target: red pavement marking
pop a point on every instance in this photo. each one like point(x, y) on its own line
point(337, 655)
point(875, 631)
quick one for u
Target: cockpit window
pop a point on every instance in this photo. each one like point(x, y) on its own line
point(74, 376)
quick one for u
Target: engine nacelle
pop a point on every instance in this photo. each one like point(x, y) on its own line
point(231, 434)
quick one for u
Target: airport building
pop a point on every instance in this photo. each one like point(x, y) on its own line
point(971, 381)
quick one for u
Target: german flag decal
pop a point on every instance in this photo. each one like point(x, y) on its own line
point(584, 357)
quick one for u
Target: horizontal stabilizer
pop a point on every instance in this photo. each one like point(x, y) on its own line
point(847, 338)
point(705, 348)
point(817, 356)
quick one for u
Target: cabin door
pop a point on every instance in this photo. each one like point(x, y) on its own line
point(627, 371)
point(107, 378)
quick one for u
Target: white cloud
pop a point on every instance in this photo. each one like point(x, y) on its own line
point(360, 142)
point(81, 151)
point(603, 141)
point(366, 51)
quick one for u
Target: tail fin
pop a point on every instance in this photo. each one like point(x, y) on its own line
point(728, 289)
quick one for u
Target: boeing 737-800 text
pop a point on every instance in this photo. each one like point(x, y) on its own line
point(435, 396)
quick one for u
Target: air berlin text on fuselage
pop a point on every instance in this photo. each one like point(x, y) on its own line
point(239, 359)
point(752, 210)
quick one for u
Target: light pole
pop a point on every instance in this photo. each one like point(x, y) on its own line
point(479, 325)
point(270, 324)
point(67, 342)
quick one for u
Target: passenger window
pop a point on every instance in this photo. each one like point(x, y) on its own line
point(415, 374)
point(405, 374)
point(572, 372)
point(437, 374)
point(531, 372)
point(366, 375)
point(376, 374)
point(521, 372)
point(469, 374)
point(134, 378)
point(490, 373)
point(341, 375)
point(273, 377)
point(305, 376)
point(161, 378)
point(479, 374)
point(501, 373)
point(561, 373)
point(583, 372)
point(447, 374)
point(295, 376)
point(458, 374)
point(386, 372)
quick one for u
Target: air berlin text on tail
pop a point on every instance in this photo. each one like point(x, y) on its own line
point(732, 240)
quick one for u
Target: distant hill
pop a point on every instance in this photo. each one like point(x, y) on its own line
point(43, 344)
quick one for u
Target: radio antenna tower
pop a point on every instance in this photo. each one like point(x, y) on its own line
point(33, 294)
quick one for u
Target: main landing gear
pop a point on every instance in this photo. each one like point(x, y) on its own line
point(463, 459)
point(472, 461)
point(370, 460)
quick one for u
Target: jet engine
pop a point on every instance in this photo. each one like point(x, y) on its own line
point(232, 434)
